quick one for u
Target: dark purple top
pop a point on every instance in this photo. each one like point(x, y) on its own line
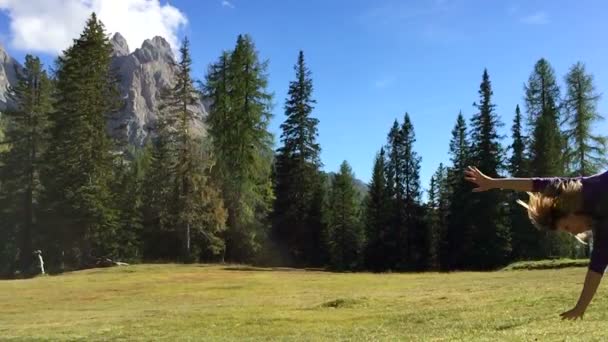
point(595, 202)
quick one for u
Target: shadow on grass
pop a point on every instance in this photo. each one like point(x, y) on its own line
point(226, 288)
point(511, 325)
point(271, 269)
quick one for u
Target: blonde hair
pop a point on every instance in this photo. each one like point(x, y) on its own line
point(558, 199)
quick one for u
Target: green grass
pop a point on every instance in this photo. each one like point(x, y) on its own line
point(547, 264)
point(217, 303)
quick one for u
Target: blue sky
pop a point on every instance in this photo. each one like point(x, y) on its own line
point(372, 61)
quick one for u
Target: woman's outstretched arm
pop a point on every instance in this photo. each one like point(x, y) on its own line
point(595, 272)
point(592, 281)
point(484, 183)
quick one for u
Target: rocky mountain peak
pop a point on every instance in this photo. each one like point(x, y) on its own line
point(143, 73)
point(119, 43)
point(8, 77)
point(156, 48)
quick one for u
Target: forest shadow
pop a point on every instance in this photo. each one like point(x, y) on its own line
point(272, 269)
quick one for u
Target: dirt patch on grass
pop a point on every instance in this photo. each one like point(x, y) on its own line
point(343, 303)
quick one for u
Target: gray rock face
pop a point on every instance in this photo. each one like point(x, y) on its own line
point(8, 77)
point(119, 45)
point(144, 74)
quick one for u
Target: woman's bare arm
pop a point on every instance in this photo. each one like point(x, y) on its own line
point(596, 269)
point(516, 184)
point(484, 183)
point(592, 281)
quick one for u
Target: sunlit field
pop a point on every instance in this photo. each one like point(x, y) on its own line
point(218, 302)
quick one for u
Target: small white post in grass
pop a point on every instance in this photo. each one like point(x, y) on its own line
point(38, 253)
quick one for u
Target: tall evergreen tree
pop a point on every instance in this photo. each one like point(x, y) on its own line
point(518, 163)
point(415, 233)
point(439, 194)
point(395, 194)
point(433, 223)
point(525, 238)
point(217, 88)
point(459, 235)
point(82, 219)
point(547, 145)
point(587, 149)
point(129, 175)
point(158, 240)
point(376, 217)
point(491, 238)
point(3, 144)
point(346, 236)
point(238, 121)
point(8, 247)
point(542, 96)
point(193, 205)
point(318, 221)
point(20, 165)
point(297, 172)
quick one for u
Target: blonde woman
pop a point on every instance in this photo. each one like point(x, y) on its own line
point(571, 204)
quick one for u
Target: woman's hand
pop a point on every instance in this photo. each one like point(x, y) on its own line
point(573, 314)
point(592, 281)
point(483, 182)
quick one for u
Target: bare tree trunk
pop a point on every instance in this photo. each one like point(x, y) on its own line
point(188, 239)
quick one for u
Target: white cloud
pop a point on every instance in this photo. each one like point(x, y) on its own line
point(226, 3)
point(538, 18)
point(383, 82)
point(50, 25)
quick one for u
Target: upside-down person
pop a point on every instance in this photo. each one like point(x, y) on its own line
point(577, 205)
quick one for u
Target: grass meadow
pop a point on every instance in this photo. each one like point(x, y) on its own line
point(240, 303)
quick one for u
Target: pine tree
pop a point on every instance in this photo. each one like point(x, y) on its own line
point(525, 239)
point(346, 236)
point(238, 122)
point(376, 217)
point(324, 197)
point(548, 145)
point(20, 165)
point(433, 223)
point(392, 154)
point(297, 173)
point(518, 163)
point(8, 245)
point(217, 88)
point(395, 194)
point(587, 149)
point(459, 236)
point(317, 221)
point(192, 211)
point(129, 175)
point(3, 144)
point(78, 198)
point(542, 95)
point(491, 238)
point(437, 211)
point(414, 230)
point(158, 240)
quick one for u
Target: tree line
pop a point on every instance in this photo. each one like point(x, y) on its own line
point(68, 187)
